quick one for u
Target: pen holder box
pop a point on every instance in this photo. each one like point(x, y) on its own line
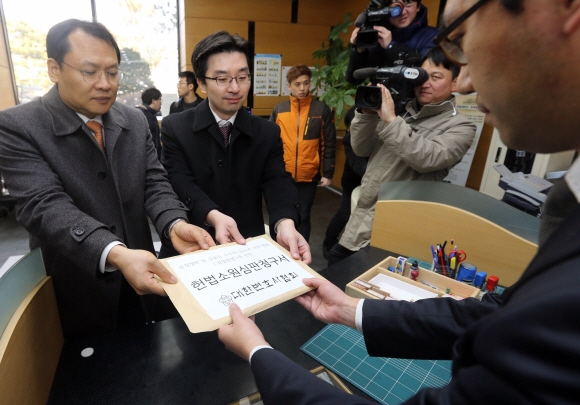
point(427, 280)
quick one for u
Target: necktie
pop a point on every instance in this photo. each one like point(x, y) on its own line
point(98, 130)
point(225, 129)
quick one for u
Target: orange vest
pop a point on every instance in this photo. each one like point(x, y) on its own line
point(308, 134)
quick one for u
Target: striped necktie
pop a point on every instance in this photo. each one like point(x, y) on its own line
point(97, 129)
point(226, 129)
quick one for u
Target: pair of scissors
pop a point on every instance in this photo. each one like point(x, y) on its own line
point(459, 255)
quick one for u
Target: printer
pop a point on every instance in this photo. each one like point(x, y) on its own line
point(523, 191)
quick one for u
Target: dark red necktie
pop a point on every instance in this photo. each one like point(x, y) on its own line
point(226, 129)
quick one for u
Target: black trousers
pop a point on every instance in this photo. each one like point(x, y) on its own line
point(338, 253)
point(336, 224)
point(306, 194)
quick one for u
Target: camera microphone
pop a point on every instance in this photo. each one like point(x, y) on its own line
point(361, 74)
point(360, 20)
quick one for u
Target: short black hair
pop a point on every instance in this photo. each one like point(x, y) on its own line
point(149, 95)
point(189, 76)
point(438, 58)
point(218, 42)
point(58, 43)
point(407, 1)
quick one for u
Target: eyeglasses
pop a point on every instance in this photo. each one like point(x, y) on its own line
point(452, 48)
point(226, 80)
point(92, 77)
point(180, 83)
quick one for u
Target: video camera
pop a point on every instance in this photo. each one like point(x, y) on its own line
point(377, 13)
point(400, 80)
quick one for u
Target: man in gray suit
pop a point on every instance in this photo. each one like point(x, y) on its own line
point(86, 176)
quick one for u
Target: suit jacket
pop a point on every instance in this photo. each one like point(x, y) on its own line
point(180, 105)
point(151, 116)
point(74, 200)
point(522, 347)
point(206, 175)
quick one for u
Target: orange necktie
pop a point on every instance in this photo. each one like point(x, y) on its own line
point(97, 128)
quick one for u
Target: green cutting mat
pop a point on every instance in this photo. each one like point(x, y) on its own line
point(390, 381)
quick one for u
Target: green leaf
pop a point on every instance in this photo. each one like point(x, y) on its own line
point(349, 100)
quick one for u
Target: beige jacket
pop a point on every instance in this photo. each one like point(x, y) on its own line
point(421, 145)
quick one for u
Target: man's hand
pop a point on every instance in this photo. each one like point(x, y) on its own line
point(385, 36)
point(324, 182)
point(139, 268)
point(187, 238)
point(242, 336)
point(353, 39)
point(289, 238)
point(387, 110)
point(226, 229)
point(328, 303)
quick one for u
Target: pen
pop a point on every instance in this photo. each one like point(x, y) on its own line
point(442, 262)
point(434, 258)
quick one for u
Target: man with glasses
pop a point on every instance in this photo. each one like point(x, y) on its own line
point(187, 91)
point(424, 143)
point(407, 33)
point(221, 161)
point(521, 347)
point(87, 178)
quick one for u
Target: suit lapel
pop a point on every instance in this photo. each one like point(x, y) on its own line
point(205, 121)
point(242, 125)
point(114, 122)
point(64, 120)
point(563, 244)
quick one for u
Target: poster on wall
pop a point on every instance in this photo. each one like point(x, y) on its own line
point(466, 105)
point(267, 74)
point(285, 90)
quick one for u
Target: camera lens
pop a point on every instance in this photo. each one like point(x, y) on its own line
point(372, 98)
point(367, 38)
point(368, 97)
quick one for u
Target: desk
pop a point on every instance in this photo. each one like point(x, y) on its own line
point(164, 363)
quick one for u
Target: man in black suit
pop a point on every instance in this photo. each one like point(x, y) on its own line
point(151, 105)
point(221, 160)
point(521, 347)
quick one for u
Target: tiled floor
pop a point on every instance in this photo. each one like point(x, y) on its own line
point(14, 239)
point(325, 206)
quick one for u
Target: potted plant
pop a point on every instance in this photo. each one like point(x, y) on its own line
point(330, 78)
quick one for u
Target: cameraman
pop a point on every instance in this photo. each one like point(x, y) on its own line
point(407, 33)
point(422, 144)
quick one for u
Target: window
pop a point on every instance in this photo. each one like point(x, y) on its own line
point(145, 30)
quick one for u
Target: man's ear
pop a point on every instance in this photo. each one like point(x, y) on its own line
point(53, 70)
point(573, 17)
point(454, 85)
point(201, 86)
point(190, 87)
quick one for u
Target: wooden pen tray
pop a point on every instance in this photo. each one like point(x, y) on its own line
point(427, 280)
